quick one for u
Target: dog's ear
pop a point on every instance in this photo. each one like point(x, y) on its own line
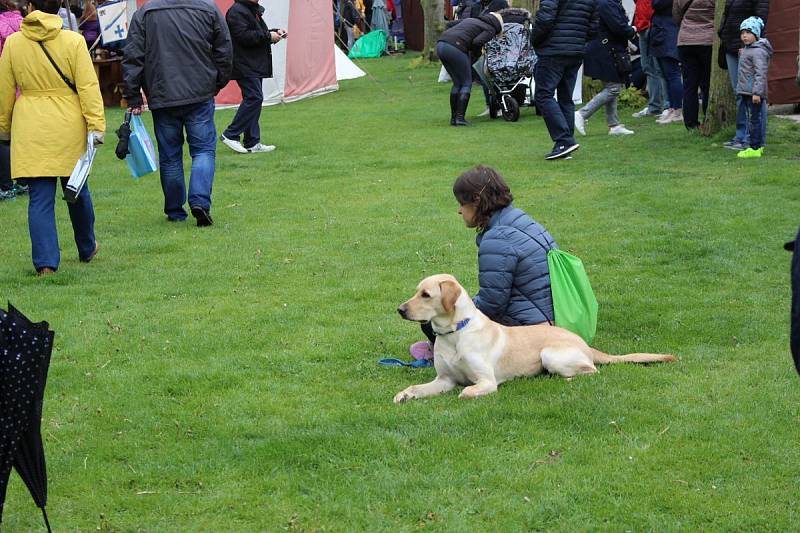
point(450, 292)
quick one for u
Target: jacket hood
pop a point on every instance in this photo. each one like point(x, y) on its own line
point(41, 26)
point(10, 16)
point(763, 43)
point(255, 7)
point(494, 20)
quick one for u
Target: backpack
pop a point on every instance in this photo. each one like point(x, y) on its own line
point(574, 303)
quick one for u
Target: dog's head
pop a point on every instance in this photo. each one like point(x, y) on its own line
point(435, 297)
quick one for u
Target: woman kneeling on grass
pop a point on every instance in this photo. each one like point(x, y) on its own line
point(513, 275)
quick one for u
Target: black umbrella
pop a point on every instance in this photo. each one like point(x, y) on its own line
point(794, 246)
point(124, 135)
point(25, 350)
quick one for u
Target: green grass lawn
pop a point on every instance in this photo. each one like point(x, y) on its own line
point(225, 378)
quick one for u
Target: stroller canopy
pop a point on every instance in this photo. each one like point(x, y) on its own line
point(510, 55)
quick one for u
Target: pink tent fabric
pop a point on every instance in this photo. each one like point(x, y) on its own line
point(305, 64)
point(310, 64)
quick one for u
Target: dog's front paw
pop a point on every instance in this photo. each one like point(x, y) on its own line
point(404, 395)
point(473, 391)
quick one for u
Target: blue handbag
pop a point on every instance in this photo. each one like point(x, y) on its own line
point(141, 156)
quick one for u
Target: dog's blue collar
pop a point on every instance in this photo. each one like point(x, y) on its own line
point(461, 325)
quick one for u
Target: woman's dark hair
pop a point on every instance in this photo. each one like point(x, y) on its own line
point(487, 187)
point(48, 6)
point(9, 5)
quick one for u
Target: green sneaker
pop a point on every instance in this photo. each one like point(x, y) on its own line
point(749, 153)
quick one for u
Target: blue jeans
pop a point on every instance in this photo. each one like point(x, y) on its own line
point(248, 114)
point(741, 109)
point(201, 134)
point(754, 121)
point(671, 69)
point(42, 222)
point(657, 100)
point(5, 167)
point(557, 74)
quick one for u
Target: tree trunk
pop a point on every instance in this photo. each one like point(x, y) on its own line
point(433, 11)
point(721, 100)
point(526, 4)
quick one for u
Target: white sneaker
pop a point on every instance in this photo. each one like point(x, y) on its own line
point(260, 148)
point(234, 145)
point(620, 129)
point(485, 112)
point(641, 114)
point(580, 123)
point(674, 115)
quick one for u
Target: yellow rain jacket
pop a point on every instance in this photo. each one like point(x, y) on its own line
point(48, 123)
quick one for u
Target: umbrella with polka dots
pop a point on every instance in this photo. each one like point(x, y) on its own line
point(25, 350)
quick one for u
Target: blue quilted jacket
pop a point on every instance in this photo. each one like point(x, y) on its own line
point(512, 269)
point(561, 27)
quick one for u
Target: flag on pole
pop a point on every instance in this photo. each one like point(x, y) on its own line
point(113, 19)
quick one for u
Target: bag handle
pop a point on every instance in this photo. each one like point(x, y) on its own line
point(63, 77)
point(548, 249)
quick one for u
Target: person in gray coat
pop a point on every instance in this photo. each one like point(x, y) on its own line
point(513, 274)
point(752, 87)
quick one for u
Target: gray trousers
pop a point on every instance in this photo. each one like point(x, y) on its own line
point(608, 98)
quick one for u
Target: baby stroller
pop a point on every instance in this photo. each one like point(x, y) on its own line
point(509, 66)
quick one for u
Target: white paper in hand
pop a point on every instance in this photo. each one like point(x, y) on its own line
point(81, 171)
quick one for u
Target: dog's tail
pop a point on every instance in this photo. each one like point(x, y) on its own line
point(604, 358)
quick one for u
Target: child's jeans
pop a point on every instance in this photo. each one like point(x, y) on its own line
point(754, 124)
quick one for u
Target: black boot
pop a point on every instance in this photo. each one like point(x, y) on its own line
point(461, 109)
point(453, 107)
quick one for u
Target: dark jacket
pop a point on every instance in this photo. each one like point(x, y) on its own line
point(512, 269)
point(612, 25)
point(252, 42)
point(733, 15)
point(494, 5)
point(561, 27)
point(663, 31)
point(471, 34)
point(178, 51)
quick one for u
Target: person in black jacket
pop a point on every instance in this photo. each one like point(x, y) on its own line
point(458, 48)
point(733, 15)
point(180, 55)
point(612, 33)
point(559, 38)
point(252, 62)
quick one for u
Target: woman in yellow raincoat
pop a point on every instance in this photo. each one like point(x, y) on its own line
point(48, 125)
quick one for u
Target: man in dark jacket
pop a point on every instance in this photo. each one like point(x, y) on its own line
point(733, 15)
point(179, 53)
point(559, 38)
point(252, 62)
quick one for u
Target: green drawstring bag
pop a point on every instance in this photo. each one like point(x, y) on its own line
point(372, 44)
point(574, 304)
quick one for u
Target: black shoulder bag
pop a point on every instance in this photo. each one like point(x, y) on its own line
point(620, 57)
point(63, 77)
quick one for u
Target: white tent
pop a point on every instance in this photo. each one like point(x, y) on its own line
point(306, 64)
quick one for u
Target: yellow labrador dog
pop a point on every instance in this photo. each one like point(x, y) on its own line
point(472, 350)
